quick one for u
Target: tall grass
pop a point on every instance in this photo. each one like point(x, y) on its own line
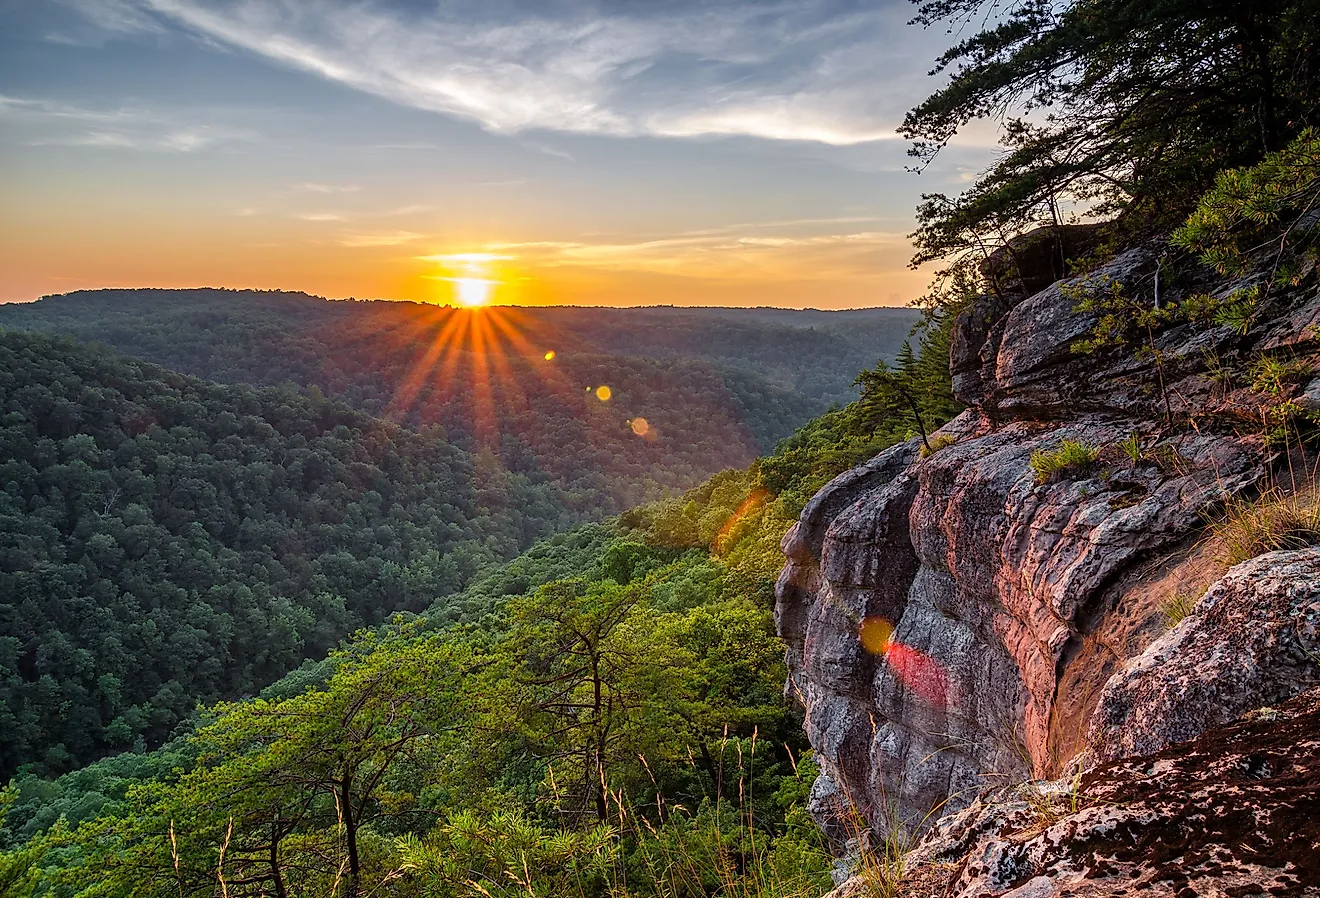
point(1276, 520)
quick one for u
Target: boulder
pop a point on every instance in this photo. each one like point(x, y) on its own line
point(1252, 640)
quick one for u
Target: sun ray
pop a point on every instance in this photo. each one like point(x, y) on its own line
point(406, 392)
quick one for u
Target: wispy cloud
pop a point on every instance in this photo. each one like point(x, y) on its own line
point(322, 216)
point(327, 188)
point(833, 71)
point(48, 123)
point(743, 257)
point(387, 238)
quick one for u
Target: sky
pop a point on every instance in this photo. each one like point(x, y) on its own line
point(544, 151)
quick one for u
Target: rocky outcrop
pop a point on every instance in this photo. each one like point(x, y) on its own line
point(951, 622)
point(1251, 641)
point(1235, 812)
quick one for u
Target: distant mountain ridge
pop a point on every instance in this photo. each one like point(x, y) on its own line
point(714, 388)
point(828, 347)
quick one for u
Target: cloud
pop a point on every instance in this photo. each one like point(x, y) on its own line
point(388, 238)
point(830, 71)
point(47, 123)
point(323, 216)
point(714, 256)
point(112, 16)
point(327, 188)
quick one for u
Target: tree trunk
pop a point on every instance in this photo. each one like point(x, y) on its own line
point(715, 777)
point(350, 832)
point(276, 875)
point(602, 807)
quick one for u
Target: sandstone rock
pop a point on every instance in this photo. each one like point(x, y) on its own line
point(951, 623)
point(1235, 812)
point(1252, 640)
point(985, 580)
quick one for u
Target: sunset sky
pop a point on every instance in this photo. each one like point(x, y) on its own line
point(611, 153)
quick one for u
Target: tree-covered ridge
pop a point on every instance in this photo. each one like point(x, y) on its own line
point(164, 540)
point(716, 388)
point(602, 716)
point(217, 333)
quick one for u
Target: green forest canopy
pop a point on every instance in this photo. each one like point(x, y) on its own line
point(604, 712)
point(164, 540)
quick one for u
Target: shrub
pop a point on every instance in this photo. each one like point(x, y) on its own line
point(1249, 207)
point(1071, 457)
point(1276, 520)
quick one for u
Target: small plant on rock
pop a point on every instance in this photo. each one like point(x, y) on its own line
point(1051, 802)
point(938, 442)
point(1132, 447)
point(1071, 457)
point(1273, 374)
point(1178, 606)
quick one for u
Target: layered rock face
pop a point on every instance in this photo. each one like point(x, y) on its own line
point(952, 623)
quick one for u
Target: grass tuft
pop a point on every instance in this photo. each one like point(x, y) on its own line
point(1132, 448)
point(1070, 457)
point(1276, 520)
point(1177, 606)
point(938, 442)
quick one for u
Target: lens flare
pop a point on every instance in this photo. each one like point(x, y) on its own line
point(916, 670)
point(640, 426)
point(550, 356)
point(604, 393)
point(875, 633)
point(731, 528)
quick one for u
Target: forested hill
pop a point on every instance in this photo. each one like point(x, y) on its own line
point(270, 337)
point(165, 541)
point(603, 715)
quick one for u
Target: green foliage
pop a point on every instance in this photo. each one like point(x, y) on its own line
point(1131, 447)
point(506, 855)
point(1273, 374)
point(602, 716)
point(912, 397)
point(1119, 108)
point(1071, 457)
point(594, 736)
point(1256, 206)
point(165, 541)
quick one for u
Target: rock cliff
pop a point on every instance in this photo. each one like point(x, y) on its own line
point(953, 623)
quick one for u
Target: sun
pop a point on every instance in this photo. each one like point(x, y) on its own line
point(475, 276)
point(472, 292)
